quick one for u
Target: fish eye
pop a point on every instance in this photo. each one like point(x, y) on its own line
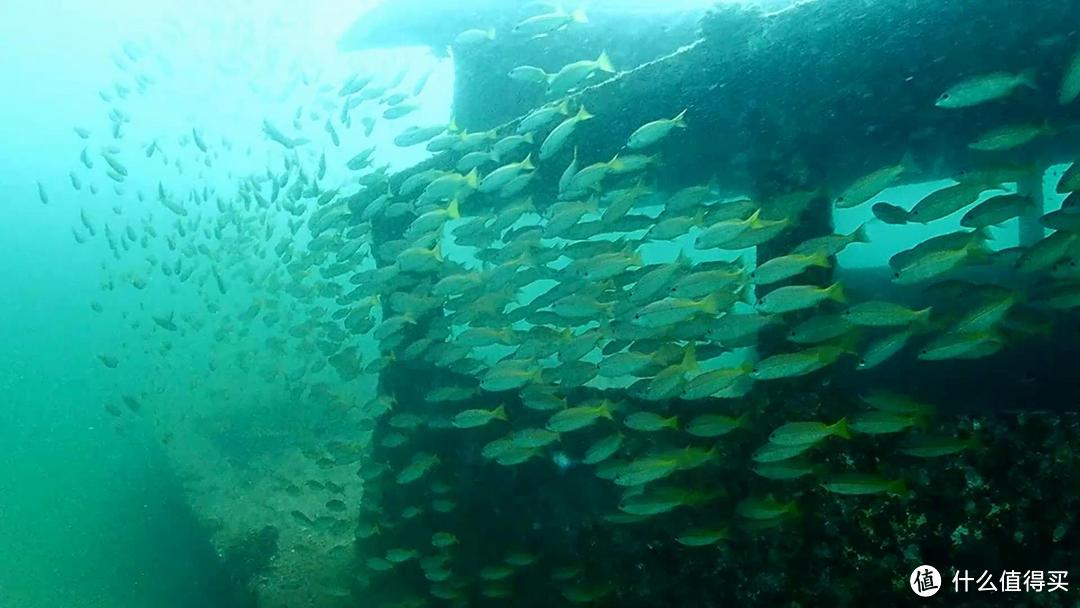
point(896, 274)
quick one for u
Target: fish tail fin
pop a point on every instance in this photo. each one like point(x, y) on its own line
point(583, 114)
point(840, 429)
point(680, 119)
point(579, 16)
point(529, 138)
point(490, 33)
point(603, 63)
point(710, 305)
point(755, 219)
point(472, 179)
point(860, 235)
point(499, 412)
point(820, 260)
point(527, 164)
point(836, 293)
point(923, 316)
point(452, 210)
point(1028, 78)
point(605, 410)
point(689, 361)
point(682, 260)
point(672, 423)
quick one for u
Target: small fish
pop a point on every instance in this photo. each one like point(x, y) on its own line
point(785, 267)
point(650, 422)
point(1070, 81)
point(603, 449)
point(442, 540)
point(933, 265)
point(543, 116)
point(723, 232)
point(880, 350)
point(702, 537)
point(897, 403)
point(505, 174)
point(399, 111)
point(715, 383)
point(984, 88)
point(785, 469)
point(997, 210)
point(765, 508)
point(1008, 137)
point(530, 74)
point(800, 433)
point(1047, 252)
point(109, 361)
point(930, 446)
point(798, 297)
point(556, 140)
point(857, 484)
point(879, 422)
point(474, 36)
point(869, 186)
point(548, 23)
point(42, 195)
point(878, 313)
point(398, 556)
point(510, 374)
point(833, 244)
point(574, 418)
point(962, 345)
point(510, 143)
point(770, 452)
point(645, 470)
point(652, 132)
point(573, 75)
point(1070, 180)
point(474, 418)
point(944, 202)
point(791, 365)
point(675, 310)
point(714, 425)
point(131, 403)
point(417, 135)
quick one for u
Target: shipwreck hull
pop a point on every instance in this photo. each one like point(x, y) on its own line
point(817, 94)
